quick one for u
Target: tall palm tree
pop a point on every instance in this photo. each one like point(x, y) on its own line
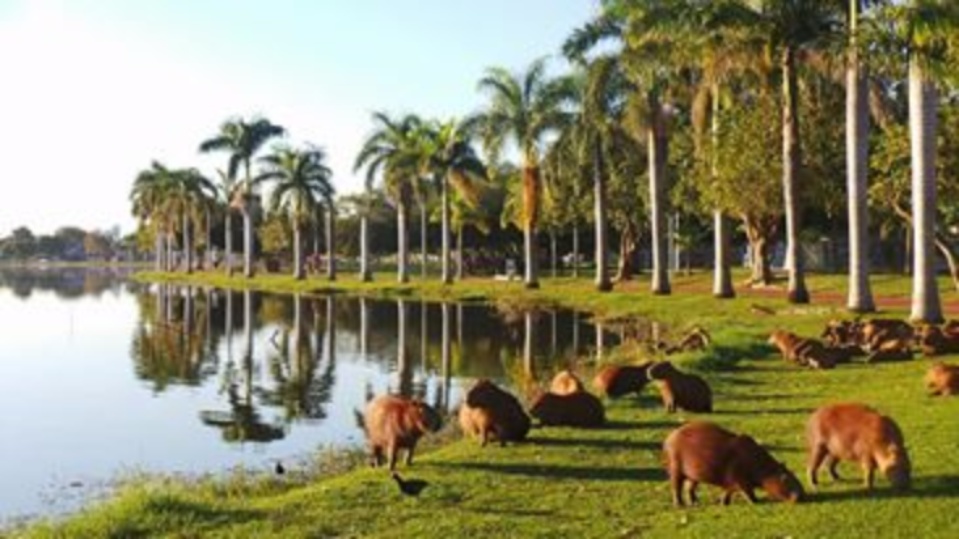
point(243, 139)
point(392, 149)
point(227, 187)
point(302, 183)
point(453, 162)
point(148, 195)
point(189, 199)
point(524, 108)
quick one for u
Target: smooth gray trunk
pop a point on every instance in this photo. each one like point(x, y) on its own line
point(158, 258)
point(857, 167)
point(657, 199)
point(187, 248)
point(298, 273)
point(529, 252)
point(792, 161)
point(402, 254)
point(553, 266)
point(331, 243)
point(575, 265)
point(923, 102)
point(529, 339)
point(364, 327)
point(228, 242)
point(445, 231)
point(460, 270)
point(722, 276)
point(603, 283)
point(424, 231)
point(366, 275)
point(248, 270)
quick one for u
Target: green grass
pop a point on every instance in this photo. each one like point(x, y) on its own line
point(592, 483)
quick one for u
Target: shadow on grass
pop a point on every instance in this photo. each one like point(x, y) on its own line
point(769, 396)
point(563, 472)
point(927, 487)
point(766, 411)
point(597, 443)
point(637, 425)
point(187, 511)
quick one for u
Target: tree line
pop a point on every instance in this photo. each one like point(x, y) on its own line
point(785, 117)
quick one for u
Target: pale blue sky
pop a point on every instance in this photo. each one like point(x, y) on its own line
point(92, 90)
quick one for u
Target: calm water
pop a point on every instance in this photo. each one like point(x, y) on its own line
point(100, 376)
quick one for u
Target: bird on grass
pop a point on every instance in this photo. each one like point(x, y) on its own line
point(279, 469)
point(410, 487)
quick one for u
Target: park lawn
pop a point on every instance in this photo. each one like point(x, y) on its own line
point(597, 483)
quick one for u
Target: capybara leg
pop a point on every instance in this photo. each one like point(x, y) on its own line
point(748, 493)
point(485, 438)
point(393, 450)
point(869, 471)
point(833, 464)
point(676, 480)
point(693, 499)
point(727, 497)
point(409, 455)
point(376, 459)
point(816, 455)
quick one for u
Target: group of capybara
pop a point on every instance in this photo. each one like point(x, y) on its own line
point(698, 451)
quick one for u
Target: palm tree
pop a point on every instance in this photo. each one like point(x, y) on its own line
point(190, 198)
point(392, 149)
point(302, 181)
point(148, 195)
point(242, 139)
point(524, 108)
point(330, 234)
point(228, 187)
point(454, 162)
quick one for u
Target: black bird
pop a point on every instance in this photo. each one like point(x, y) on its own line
point(279, 469)
point(410, 487)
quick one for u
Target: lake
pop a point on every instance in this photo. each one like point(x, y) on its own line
point(101, 376)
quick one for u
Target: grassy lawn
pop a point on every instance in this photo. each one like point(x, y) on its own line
point(594, 483)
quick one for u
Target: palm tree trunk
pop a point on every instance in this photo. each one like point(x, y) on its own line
point(857, 163)
point(297, 251)
point(723, 277)
point(529, 341)
point(364, 327)
point(530, 211)
point(170, 258)
point(446, 356)
point(445, 225)
point(792, 161)
point(603, 283)
point(209, 240)
point(424, 271)
point(331, 243)
point(402, 254)
point(657, 178)
point(552, 253)
point(365, 274)
point(158, 258)
point(575, 265)
point(247, 243)
point(228, 242)
point(402, 359)
point(187, 250)
point(460, 270)
point(923, 102)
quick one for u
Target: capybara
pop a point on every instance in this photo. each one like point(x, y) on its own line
point(393, 423)
point(696, 339)
point(565, 383)
point(951, 327)
point(857, 433)
point(614, 381)
point(942, 379)
point(844, 335)
point(817, 356)
point(574, 410)
point(891, 350)
point(874, 332)
point(488, 410)
point(790, 345)
point(933, 341)
point(681, 390)
point(701, 452)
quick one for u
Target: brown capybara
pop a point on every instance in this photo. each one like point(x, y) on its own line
point(490, 411)
point(857, 433)
point(565, 383)
point(817, 356)
point(874, 332)
point(615, 381)
point(844, 335)
point(696, 339)
point(942, 379)
point(891, 350)
point(574, 410)
point(701, 452)
point(933, 341)
point(790, 345)
point(951, 327)
point(393, 423)
point(681, 390)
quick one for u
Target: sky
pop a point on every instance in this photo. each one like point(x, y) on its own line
point(92, 90)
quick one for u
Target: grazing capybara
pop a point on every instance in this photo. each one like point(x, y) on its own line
point(574, 410)
point(614, 381)
point(565, 383)
point(490, 411)
point(393, 423)
point(891, 350)
point(942, 379)
point(701, 452)
point(874, 332)
point(858, 433)
point(681, 390)
point(933, 341)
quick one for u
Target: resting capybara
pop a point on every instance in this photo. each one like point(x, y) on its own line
point(681, 390)
point(393, 423)
point(942, 379)
point(790, 345)
point(858, 433)
point(891, 350)
point(874, 332)
point(933, 341)
point(614, 381)
point(574, 410)
point(565, 383)
point(700, 452)
point(844, 335)
point(488, 410)
point(696, 339)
